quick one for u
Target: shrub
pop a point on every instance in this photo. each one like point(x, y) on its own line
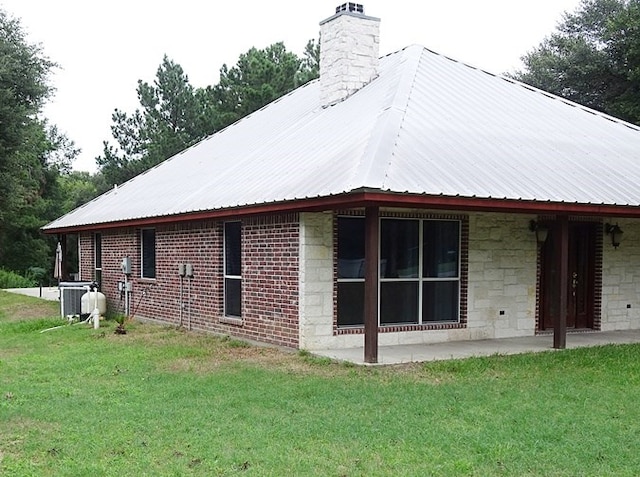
point(10, 279)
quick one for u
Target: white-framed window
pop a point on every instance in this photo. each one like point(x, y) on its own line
point(419, 274)
point(148, 253)
point(97, 258)
point(233, 269)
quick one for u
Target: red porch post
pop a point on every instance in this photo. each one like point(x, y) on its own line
point(560, 324)
point(371, 231)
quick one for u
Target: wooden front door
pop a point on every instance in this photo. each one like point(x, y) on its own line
point(580, 288)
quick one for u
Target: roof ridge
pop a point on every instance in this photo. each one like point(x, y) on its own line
point(567, 102)
point(534, 89)
point(376, 157)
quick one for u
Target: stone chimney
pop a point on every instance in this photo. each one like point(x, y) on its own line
point(349, 46)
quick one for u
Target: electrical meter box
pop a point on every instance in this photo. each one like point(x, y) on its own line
point(126, 265)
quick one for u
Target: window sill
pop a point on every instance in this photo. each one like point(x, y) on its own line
point(230, 320)
point(444, 325)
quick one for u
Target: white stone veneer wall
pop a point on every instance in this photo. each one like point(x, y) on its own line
point(316, 280)
point(502, 276)
point(621, 279)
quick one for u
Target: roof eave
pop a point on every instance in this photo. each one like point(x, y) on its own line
point(367, 197)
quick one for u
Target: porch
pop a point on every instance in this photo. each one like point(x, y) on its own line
point(465, 349)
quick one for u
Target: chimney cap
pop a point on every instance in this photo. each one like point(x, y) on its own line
point(350, 7)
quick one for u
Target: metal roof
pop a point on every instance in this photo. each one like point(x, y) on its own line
point(426, 125)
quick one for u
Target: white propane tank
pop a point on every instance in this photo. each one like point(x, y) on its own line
point(88, 303)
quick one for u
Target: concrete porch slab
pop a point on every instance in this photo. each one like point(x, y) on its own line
point(466, 349)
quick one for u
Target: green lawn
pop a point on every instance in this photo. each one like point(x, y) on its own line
point(158, 401)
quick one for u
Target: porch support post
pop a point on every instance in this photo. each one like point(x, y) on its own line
point(371, 231)
point(560, 325)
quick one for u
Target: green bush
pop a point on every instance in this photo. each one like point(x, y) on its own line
point(13, 280)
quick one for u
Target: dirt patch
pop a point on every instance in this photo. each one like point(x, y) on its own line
point(6, 353)
point(223, 356)
point(14, 432)
point(203, 353)
point(29, 308)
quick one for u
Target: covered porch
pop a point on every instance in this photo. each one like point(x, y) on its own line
point(397, 354)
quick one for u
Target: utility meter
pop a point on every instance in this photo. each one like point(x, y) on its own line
point(188, 270)
point(126, 266)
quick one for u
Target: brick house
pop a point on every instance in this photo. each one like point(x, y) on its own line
point(397, 200)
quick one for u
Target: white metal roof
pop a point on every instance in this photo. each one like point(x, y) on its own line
point(426, 125)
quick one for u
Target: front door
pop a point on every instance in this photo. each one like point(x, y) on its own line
point(580, 288)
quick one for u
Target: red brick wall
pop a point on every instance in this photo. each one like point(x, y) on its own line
point(269, 277)
point(85, 244)
point(270, 252)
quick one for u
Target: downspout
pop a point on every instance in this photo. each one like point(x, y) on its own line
point(189, 274)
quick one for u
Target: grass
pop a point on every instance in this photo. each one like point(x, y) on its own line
point(160, 401)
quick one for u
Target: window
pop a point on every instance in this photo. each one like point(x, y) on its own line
point(148, 253)
point(440, 270)
point(419, 279)
point(399, 271)
point(232, 269)
point(350, 271)
point(97, 258)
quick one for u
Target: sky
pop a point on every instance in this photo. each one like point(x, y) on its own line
point(104, 47)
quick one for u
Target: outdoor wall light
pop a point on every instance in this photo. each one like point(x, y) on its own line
point(616, 234)
point(542, 231)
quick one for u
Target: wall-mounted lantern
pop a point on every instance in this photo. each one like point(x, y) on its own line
point(616, 234)
point(541, 230)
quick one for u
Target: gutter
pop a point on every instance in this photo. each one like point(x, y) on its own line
point(373, 197)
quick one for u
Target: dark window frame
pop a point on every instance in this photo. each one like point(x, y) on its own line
point(411, 278)
point(148, 257)
point(232, 267)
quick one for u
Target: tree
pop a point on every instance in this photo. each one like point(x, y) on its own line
point(310, 64)
point(593, 58)
point(38, 198)
point(77, 188)
point(173, 116)
point(23, 88)
point(259, 77)
point(32, 153)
